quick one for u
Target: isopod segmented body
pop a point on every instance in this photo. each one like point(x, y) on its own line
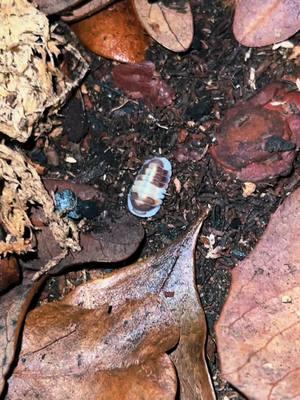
point(149, 188)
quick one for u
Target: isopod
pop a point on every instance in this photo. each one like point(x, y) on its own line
point(149, 188)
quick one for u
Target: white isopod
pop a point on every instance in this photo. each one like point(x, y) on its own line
point(149, 188)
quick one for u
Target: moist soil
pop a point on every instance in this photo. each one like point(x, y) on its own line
point(110, 136)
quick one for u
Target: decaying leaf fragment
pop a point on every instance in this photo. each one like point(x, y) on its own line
point(142, 81)
point(171, 26)
point(22, 186)
point(27, 69)
point(263, 22)
point(117, 331)
point(259, 329)
point(110, 240)
point(14, 306)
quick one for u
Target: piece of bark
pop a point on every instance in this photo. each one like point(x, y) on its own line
point(75, 123)
point(258, 331)
point(9, 272)
point(263, 22)
point(112, 325)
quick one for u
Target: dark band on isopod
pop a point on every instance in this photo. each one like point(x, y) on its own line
point(149, 188)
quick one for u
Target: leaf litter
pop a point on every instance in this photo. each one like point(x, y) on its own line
point(224, 195)
point(103, 325)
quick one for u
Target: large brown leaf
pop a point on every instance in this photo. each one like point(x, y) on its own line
point(172, 27)
point(262, 22)
point(259, 329)
point(110, 334)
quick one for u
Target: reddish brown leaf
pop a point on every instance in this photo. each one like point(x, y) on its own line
point(141, 81)
point(114, 33)
point(116, 331)
point(9, 272)
point(258, 138)
point(262, 22)
point(172, 27)
point(258, 331)
point(117, 239)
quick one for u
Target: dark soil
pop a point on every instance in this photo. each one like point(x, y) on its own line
point(208, 79)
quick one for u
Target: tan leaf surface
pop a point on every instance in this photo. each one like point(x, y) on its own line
point(263, 22)
point(114, 33)
point(118, 328)
point(259, 329)
point(26, 75)
point(171, 27)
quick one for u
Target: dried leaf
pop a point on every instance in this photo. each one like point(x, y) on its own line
point(141, 81)
point(258, 138)
point(27, 69)
point(258, 331)
point(114, 33)
point(14, 306)
point(113, 328)
point(263, 22)
point(53, 7)
point(172, 27)
point(22, 186)
point(116, 239)
point(85, 10)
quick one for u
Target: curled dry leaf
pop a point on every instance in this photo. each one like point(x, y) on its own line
point(72, 9)
point(116, 239)
point(171, 26)
point(27, 69)
point(23, 186)
point(263, 22)
point(114, 33)
point(49, 7)
point(14, 305)
point(141, 81)
point(85, 10)
point(117, 329)
point(259, 332)
point(258, 138)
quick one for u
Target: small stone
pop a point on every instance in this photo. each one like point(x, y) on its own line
point(248, 189)
point(70, 160)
